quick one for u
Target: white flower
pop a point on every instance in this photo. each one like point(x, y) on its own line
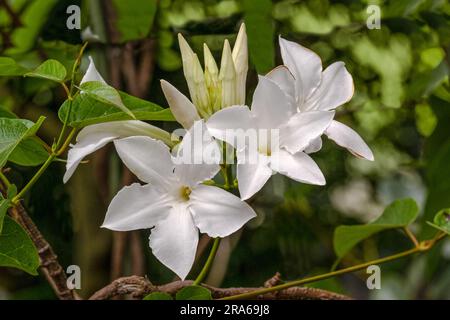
point(174, 202)
point(270, 111)
point(94, 137)
point(210, 90)
point(310, 90)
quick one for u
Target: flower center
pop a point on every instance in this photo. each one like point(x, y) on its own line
point(265, 150)
point(185, 192)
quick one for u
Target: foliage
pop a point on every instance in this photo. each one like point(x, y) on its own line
point(401, 107)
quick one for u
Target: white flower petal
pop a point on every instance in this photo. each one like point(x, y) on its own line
point(285, 80)
point(84, 147)
point(303, 128)
point(270, 106)
point(314, 146)
point(336, 89)
point(299, 167)
point(198, 156)
point(182, 108)
point(349, 139)
point(174, 241)
point(217, 212)
point(150, 160)
point(233, 120)
point(305, 66)
point(92, 74)
point(136, 207)
point(253, 172)
point(94, 137)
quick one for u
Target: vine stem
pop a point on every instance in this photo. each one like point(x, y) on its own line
point(208, 263)
point(5, 180)
point(70, 97)
point(422, 247)
point(411, 236)
point(43, 168)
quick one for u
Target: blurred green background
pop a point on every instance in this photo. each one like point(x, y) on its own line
point(401, 108)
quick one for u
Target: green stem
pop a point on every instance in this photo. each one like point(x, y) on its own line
point(423, 246)
point(208, 263)
point(33, 180)
point(5, 180)
point(43, 168)
point(70, 95)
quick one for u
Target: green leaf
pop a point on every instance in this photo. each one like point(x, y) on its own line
point(105, 94)
point(29, 153)
point(442, 221)
point(399, 214)
point(158, 296)
point(261, 33)
point(87, 111)
point(5, 204)
point(7, 114)
point(16, 248)
point(51, 70)
point(12, 191)
point(426, 120)
point(133, 18)
point(9, 68)
point(12, 132)
point(194, 293)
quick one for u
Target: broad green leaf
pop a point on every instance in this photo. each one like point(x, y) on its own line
point(105, 94)
point(16, 248)
point(51, 70)
point(12, 132)
point(5, 204)
point(442, 221)
point(399, 214)
point(158, 296)
point(194, 293)
point(133, 18)
point(87, 111)
point(9, 68)
point(261, 33)
point(29, 153)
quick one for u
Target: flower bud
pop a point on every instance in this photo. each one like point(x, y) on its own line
point(227, 77)
point(240, 58)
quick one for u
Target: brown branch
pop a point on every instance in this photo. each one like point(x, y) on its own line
point(49, 264)
point(272, 282)
point(138, 287)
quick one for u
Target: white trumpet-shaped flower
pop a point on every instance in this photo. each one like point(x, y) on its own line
point(311, 89)
point(210, 89)
point(262, 155)
point(174, 202)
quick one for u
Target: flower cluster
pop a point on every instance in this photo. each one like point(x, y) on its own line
point(292, 106)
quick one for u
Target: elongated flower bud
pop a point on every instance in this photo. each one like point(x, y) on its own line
point(195, 77)
point(240, 58)
point(228, 77)
point(212, 80)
